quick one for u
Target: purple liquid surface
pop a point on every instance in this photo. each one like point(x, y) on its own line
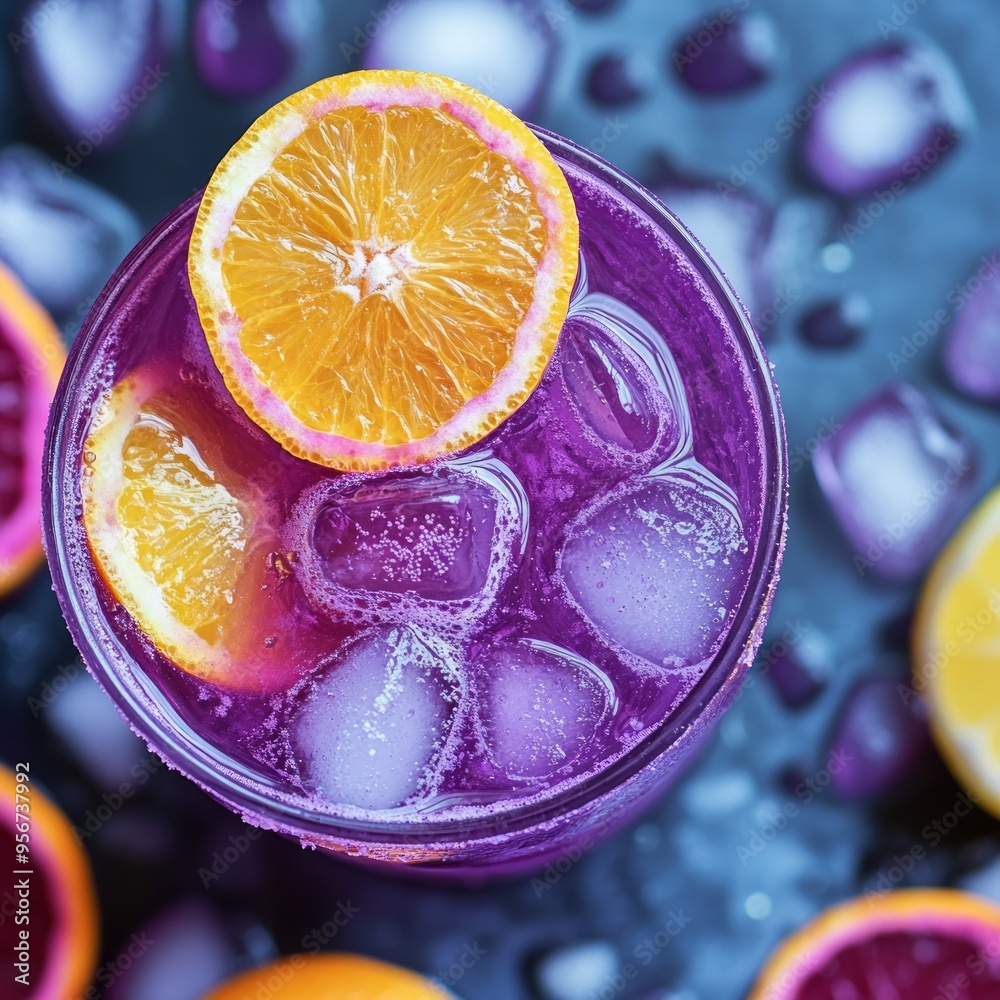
point(491, 629)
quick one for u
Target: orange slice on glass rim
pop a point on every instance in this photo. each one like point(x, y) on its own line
point(180, 535)
point(329, 977)
point(382, 265)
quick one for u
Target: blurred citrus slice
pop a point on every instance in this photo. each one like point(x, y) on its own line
point(382, 265)
point(178, 535)
point(63, 916)
point(957, 651)
point(329, 977)
point(31, 359)
point(912, 943)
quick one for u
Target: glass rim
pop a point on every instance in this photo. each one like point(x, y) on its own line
point(704, 702)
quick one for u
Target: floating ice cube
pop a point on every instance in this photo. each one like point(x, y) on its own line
point(880, 738)
point(248, 48)
point(972, 350)
point(504, 48)
point(890, 113)
point(658, 568)
point(897, 476)
point(374, 723)
point(606, 388)
point(93, 64)
point(445, 536)
point(717, 56)
point(62, 235)
point(540, 705)
point(735, 228)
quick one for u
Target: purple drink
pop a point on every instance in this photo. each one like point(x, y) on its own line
point(497, 657)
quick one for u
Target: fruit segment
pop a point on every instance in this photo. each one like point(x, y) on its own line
point(382, 266)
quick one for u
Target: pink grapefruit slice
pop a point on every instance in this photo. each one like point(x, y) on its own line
point(915, 944)
point(31, 360)
point(382, 266)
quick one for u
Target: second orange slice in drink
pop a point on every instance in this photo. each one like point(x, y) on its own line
point(382, 266)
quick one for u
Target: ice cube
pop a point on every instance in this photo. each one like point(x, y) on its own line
point(660, 568)
point(180, 954)
point(717, 56)
point(374, 723)
point(880, 739)
point(62, 235)
point(972, 350)
point(450, 535)
point(503, 48)
point(897, 476)
point(540, 705)
point(248, 48)
point(608, 390)
point(577, 971)
point(888, 114)
point(616, 79)
point(837, 322)
point(85, 718)
point(735, 228)
point(93, 64)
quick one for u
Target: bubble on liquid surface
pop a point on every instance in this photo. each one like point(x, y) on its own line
point(540, 706)
point(373, 725)
point(447, 535)
point(658, 568)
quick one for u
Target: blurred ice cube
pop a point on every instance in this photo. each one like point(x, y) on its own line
point(577, 971)
point(62, 235)
point(85, 718)
point(880, 738)
point(616, 79)
point(540, 705)
point(736, 229)
point(180, 954)
point(246, 48)
point(972, 350)
point(374, 723)
point(92, 64)
point(728, 53)
point(890, 113)
point(658, 569)
point(504, 48)
point(897, 476)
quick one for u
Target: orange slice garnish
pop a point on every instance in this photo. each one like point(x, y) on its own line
point(382, 265)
